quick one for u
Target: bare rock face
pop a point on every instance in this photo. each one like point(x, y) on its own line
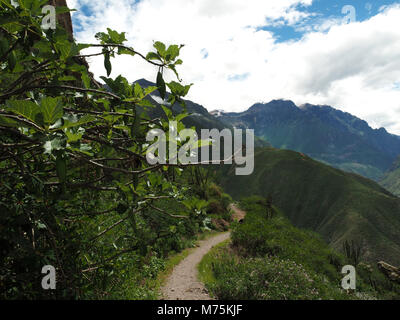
point(63, 19)
point(389, 271)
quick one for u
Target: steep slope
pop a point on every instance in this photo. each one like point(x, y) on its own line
point(391, 180)
point(323, 133)
point(336, 204)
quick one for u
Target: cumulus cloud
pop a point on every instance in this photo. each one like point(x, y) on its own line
point(234, 63)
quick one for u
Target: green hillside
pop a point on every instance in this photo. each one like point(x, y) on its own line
point(270, 259)
point(391, 180)
point(336, 204)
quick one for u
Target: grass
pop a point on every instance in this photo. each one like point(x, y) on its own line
point(205, 266)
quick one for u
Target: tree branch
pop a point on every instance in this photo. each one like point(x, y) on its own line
point(165, 212)
point(129, 49)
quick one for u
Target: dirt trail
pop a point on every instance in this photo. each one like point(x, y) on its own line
point(237, 213)
point(183, 283)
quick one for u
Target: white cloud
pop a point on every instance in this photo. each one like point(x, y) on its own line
point(353, 67)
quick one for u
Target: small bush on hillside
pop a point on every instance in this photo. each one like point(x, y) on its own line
point(214, 191)
point(215, 207)
point(218, 202)
point(226, 200)
point(269, 278)
point(259, 236)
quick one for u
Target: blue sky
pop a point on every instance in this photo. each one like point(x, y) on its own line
point(319, 10)
point(324, 10)
point(238, 53)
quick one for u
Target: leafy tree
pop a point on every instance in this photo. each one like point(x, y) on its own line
point(72, 159)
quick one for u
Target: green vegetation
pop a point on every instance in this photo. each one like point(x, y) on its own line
point(391, 180)
point(76, 190)
point(340, 206)
point(271, 259)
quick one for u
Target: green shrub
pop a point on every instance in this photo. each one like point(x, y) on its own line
point(259, 236)
point(215, 207)
point(214, 191)
point(269, 278)
point(226, 200)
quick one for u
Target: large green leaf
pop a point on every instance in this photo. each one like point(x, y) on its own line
point(167, 112)
point(107, 63)
point(7, 122)
point(115, 37)
point(161, 85)
point(58, 143)
point(172, 52)
point(85, 79)
point(26, 109)
point(149, 90)
point(52, 109)
point(71, 122)
point(65, 48)
point(160, 47)
point(4, 45)
point(138, 91)
point(153, 56)
point(73, 137)
point(178, 89)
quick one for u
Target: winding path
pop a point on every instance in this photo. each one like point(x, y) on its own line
point(183, 283)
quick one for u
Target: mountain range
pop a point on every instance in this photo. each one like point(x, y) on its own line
point(323, 133)
point(198, 117)
point(302, 182)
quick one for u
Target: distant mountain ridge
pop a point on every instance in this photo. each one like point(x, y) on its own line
point(322, 132)
point(198, 117)
point(198, 114)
